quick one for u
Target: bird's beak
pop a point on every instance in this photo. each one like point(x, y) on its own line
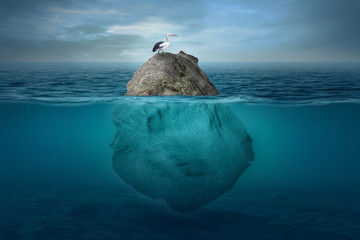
point(173, 35)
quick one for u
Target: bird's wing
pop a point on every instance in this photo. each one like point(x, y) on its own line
point(163, 44)
point(157, 46)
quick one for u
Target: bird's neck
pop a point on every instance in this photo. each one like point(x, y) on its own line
point(167, 39)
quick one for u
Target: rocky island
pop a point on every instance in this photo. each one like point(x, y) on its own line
point(187, 153)
point(170, 74)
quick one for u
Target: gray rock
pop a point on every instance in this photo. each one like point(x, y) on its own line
point(188, 154)
point(170, 74)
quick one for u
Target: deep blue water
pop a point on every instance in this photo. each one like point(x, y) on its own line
point(57, 181)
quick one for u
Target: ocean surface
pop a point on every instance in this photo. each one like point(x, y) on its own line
point(57, 179)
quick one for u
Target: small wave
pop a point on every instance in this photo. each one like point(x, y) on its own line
point(221, 99)
point(258, 83)
point(231, 99)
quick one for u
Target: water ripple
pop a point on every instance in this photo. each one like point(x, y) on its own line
point(284, 83)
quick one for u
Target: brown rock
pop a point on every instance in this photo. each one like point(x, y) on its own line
point(170, 74)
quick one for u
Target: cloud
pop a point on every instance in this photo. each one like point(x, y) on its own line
point(226, 30)
point(91, 11)
point(86, 30)
point(106, 48)
point(150, 27)
point(329, 28)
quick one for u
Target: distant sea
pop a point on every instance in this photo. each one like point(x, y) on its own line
point(296, 83)
point(56, 177)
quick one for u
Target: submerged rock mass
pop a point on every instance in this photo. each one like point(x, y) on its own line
point(170, 74)
point(188, 154)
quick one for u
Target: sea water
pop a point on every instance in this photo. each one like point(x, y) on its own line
point(57, 181)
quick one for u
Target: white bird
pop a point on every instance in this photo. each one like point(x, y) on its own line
point(160, 46)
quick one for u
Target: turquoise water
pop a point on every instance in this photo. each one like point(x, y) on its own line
point(57, 178)
point(57, 181)
point(243, 82)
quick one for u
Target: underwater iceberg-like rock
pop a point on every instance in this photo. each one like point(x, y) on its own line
point(188, 154)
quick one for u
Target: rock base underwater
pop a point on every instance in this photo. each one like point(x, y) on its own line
point(188, 154)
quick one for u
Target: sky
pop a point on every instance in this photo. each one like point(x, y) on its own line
point(227, 30)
